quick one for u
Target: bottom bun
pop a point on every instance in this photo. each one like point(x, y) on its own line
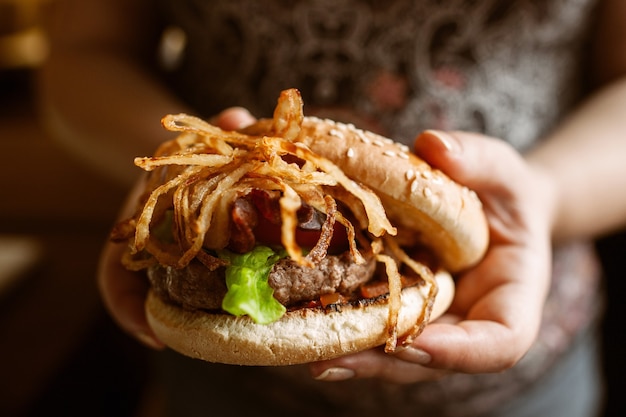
point(300, 336)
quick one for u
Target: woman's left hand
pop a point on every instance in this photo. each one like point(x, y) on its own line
point(497, 309)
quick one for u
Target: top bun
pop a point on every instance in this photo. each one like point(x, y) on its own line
point(447, 216)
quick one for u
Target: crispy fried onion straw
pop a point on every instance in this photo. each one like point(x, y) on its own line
point(197, 175)
point(399, 256)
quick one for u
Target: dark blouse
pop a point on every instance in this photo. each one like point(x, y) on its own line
point(508, 68)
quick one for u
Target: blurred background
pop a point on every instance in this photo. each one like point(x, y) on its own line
point(60, 354)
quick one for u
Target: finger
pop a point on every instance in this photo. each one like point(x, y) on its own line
point(373, 363)
point(500, 176)
point(472, 346)
point(124, 294)
point(474, 160)
point(501, 320)
point(234, 118)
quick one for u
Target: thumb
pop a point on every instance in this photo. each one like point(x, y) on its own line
point(477, 161)
point(234, 118)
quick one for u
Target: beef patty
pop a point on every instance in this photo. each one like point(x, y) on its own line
point(195, 287)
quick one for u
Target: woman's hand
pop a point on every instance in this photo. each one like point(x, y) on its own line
point(124, 292)
point(498, 304)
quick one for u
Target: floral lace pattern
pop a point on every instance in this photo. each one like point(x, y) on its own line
point(505, 68)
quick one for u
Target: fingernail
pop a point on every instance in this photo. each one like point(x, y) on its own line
point(336, 374)
point(448, 141)
point(235, 118)
point(414, 355)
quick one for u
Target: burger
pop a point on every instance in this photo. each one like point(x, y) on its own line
point(295, 239)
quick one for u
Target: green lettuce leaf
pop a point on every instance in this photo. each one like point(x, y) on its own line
point(248, 290)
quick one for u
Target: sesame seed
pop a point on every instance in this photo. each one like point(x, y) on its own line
point(437, 179)
point(402, 147)
point(426, 175)
point(336, 133)
point(403, 155)
point(409, 174)
point(414, 186)
point(427, 192)
point(389, 153)
point(379, 143)
point(350, 153)
point(362, 136)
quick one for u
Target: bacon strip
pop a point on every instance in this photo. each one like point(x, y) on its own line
point(320, 249)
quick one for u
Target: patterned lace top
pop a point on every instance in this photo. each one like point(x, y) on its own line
point(507, 68)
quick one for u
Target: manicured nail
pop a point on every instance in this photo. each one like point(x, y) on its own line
point(448, 141)
point(336, 374)
point(414, 355)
